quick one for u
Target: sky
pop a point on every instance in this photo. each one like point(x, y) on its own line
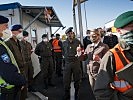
point(98, 12)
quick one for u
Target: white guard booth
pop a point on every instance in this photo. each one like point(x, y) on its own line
point(37, 20)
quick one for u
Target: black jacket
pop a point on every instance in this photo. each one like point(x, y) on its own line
point(8, 71)
point(86, 41)
point(111, 41)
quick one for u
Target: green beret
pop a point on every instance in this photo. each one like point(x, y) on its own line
point(123, 19)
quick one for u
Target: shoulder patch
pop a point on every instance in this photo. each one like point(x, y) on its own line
point(5, 58)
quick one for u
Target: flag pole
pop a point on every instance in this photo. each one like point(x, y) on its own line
point(74, 21)
point(80, 21)
point(85, 17)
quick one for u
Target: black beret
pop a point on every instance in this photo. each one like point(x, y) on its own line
point(124, 19)
point(25, 33)
point(44, 35)
point(109, 30)
point(52, 35)
point(3, 19)
point(57, 35)
point(69, 30)
point(16, 27)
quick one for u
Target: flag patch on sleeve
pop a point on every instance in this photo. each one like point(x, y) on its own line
point(5, 58)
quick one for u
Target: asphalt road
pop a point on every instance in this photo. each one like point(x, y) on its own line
point(57, 92)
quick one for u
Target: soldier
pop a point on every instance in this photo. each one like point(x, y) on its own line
point(52, 38)
point(11, 81)
point(15, 46)
point(57, 48)
point(27, 48)
point(87, 40)
point(44, 51)
point(72, 64)
point(110, 85)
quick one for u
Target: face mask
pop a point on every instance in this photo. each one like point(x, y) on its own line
point(26, 38)
point(109, 33)
point(19, 36)
point(45, 40)
point(53, 37)
point(127, 38)
point(7, 34)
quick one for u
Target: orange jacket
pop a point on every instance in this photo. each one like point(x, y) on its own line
point(56, 46)
point(119, 85)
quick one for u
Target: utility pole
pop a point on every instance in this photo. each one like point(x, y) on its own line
point(85, 17)
point(74, 21)
point(80, 21)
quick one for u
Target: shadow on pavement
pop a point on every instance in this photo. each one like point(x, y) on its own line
point(57, 92)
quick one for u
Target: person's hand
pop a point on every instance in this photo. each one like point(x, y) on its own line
point(22, 87)
point(33, 49)
point(79, 48)
point(79, 51)
point(96, 58)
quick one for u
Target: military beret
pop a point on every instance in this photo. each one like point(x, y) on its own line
point(16, 27)
point(124, 19)
point(3, 19)
point(52, 35)
point(25, 33)
point(69, 30)
point(44, 35)
point(57, 35)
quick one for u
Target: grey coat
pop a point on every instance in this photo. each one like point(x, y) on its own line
point(91, 51)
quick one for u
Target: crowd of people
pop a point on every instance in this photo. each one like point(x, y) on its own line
point(108, 61)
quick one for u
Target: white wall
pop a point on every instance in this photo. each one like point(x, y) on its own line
point(37, 25)
point(40, 27)
point(12, 14)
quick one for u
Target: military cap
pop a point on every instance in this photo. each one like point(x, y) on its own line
point(44, 35)
point(3, 19)
point(69, 30)
point(57, 35)
point(25, 33)
point(16, 27)
point(124, 19)
point(52, 35)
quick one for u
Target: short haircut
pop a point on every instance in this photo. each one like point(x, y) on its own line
point(96, 31)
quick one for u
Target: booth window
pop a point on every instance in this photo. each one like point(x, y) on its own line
point(34, 37)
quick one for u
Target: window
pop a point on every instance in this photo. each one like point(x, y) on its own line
point(34, 37)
